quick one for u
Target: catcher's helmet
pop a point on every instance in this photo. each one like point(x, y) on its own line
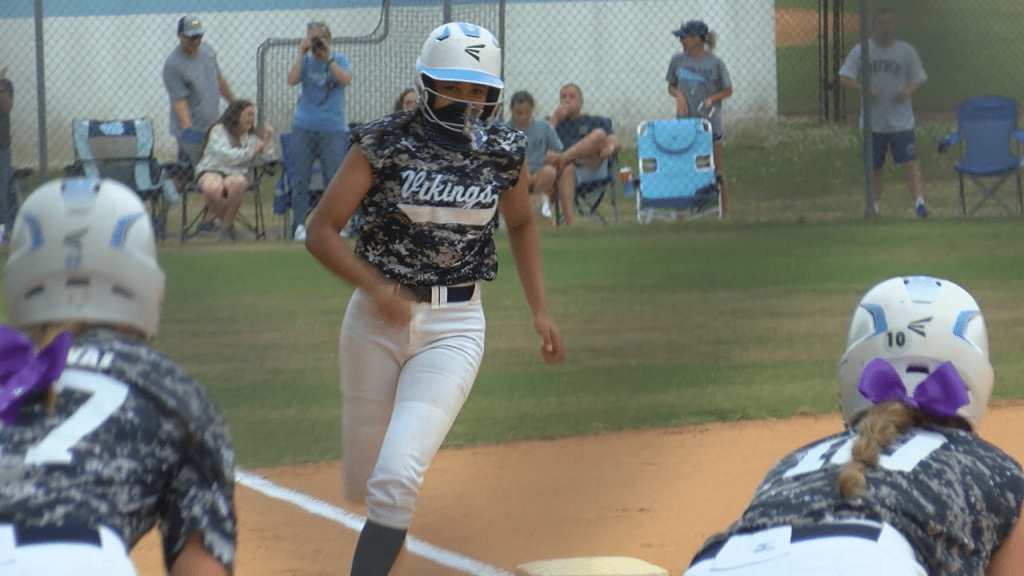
point(916, 324)
point(460, 52)
point(83, 250)
point(692, 28)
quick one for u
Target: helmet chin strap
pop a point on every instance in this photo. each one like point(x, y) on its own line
point(460, 118)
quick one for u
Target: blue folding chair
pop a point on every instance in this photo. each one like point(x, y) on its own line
point(677, 170)
point(990, 152)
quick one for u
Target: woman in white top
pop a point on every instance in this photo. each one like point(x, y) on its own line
point(232, 147)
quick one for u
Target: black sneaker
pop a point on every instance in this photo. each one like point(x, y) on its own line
point(922, 212)
point(208, 226)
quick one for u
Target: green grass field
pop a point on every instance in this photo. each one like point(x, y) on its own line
point(665, 324)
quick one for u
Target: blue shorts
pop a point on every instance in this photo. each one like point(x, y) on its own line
point(901, 143)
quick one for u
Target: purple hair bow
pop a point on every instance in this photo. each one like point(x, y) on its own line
point(942, 393)
point(22, 371)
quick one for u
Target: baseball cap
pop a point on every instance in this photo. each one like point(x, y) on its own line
point(190, 26)
point(692, 28)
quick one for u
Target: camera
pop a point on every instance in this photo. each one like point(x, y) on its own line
point(318, 42)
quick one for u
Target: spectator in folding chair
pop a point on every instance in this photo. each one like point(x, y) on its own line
point(232, 147)
point(699, 81)
point(6, 174)
point(319, 131)
point(588, 146)
point(540, 139)
point(194, 86)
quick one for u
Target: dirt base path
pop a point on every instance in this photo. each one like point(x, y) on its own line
point(654, 495)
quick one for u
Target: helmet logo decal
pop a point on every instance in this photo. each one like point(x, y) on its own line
point(962, 320)
point(474, 51)
point(469, 29)
point(877, 317)
point(73, 241)
point(117, 238)
point(918, 326)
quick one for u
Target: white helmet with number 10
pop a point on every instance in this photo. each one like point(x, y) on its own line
point(83, 250)
point(916, 324)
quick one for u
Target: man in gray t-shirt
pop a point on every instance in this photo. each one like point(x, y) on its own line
point(193, 80)
point(896, 73)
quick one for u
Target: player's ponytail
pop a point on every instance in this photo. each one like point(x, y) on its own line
point(875, 430)
point(42, 336)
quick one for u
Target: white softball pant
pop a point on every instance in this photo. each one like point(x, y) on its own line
point(68, 551)
point(824, 551)
point(402, 387)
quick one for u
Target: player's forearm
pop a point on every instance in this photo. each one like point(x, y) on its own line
point(722, 95)
point(341, 76)
point(195, 560)
point(225, 88)
point(526, 252)
point(849, 83)
point(180, 109)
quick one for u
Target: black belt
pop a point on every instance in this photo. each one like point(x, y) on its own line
point(455, 293)
point(810, 532)
point(73, 533)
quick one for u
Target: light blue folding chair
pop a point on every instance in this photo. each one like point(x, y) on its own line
point(990, 152)
point(676, 176)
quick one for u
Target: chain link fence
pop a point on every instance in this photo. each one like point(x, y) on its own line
point(792, 147)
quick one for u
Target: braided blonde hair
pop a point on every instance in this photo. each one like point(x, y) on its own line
point(41, 336)
point(875, 431)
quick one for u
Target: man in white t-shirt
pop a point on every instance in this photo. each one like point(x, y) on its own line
point(896, 73)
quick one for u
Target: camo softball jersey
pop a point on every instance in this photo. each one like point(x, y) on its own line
point(952, 495)
point(430, 215)
point(132, 441)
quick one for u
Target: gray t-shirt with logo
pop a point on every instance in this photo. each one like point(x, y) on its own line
point(892, 68)
point(197, 80)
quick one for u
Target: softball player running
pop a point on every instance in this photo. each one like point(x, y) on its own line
point(909, 488)
point(429, 183)
point(102, 437)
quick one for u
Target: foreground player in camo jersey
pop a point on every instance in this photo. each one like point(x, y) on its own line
point(95, 452)
point(429, 183)
point(909, 488)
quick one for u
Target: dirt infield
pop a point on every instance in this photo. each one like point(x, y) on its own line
point(653, 495)
point(794, 26)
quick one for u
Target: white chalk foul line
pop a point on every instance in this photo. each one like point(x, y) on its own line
point(355, 522)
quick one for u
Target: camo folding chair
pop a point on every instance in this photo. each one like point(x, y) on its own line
point(123, 150)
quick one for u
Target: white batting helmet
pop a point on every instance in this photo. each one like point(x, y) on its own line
point(460, 52)
point(916, 324)
point(84, 250)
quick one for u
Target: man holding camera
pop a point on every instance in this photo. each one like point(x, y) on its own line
point(319, 131)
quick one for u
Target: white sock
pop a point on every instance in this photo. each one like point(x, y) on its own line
point(919, 202)
point(877, 208)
